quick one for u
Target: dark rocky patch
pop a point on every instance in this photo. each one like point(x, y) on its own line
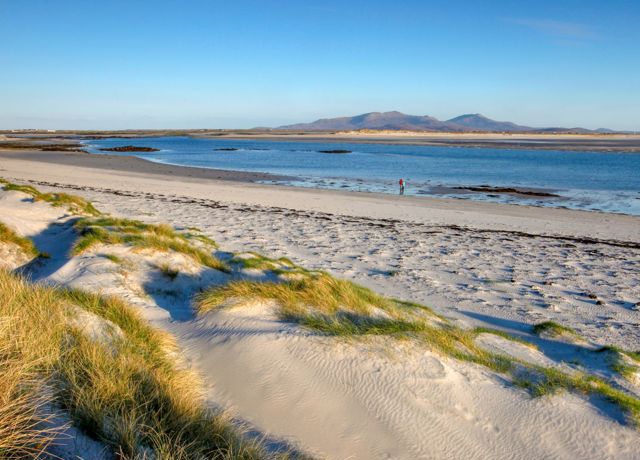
point(509, 190)
point(130, 148)
point(225, 149)
point(334, 151)
point(42, 147)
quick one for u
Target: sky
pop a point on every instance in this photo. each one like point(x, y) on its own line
point(216, 64)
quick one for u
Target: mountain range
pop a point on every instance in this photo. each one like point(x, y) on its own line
point(399, 121)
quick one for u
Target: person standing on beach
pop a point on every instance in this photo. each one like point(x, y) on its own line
point(401, 186)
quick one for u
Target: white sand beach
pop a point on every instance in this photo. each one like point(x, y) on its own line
point(479, 264)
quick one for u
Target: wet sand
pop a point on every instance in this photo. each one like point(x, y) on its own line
point(132, 164)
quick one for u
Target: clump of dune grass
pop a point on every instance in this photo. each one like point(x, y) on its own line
point(256, 261)
point(341, 308)
point(7, 235)
point(504, 335)
point(162, 237)
point(325, 293)
point(542, 381)
point(553, 329)
point(113, 258)
point(24, 432)
point(624, 362)
point(168, 271)
point(127, 392)
point(73, 203)
point(210, 242)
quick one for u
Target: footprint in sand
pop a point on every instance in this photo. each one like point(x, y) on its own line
point(428, 370)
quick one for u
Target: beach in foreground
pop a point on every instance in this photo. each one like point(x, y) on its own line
point(484, 265)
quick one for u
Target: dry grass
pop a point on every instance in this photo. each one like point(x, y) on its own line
point(320, 296)
point(23, 431)
point(256, 261)
point(126, 391)
point(163, 237)
point(553, 329)
point(504, 335)
point(73, 203)
point(169, 271)
point(7, 235)
point(341, 308)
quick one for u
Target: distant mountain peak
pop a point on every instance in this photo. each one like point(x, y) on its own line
point(394, 120)
point(478, 122)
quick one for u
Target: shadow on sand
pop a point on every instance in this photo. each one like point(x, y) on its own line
point(581, 356)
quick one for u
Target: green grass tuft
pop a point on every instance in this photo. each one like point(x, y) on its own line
point(163, 237)
point(259, 262)
point(326, 294)
point(7, 235)
point(553, 329)
point(625, 363)
point(504, 335)
point(202, 238)
point(113, 258)
point(73, 203)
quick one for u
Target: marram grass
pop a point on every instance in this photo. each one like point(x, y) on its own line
point(99, 229)
point(624, 362)
point(7, 235)
point(342, 308)
point(73, 203)
point(127, 392)
point(162, 237)
point(553, 329)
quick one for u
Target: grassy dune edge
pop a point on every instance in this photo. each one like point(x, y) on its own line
point(7, 235)
point(342, 308)
point(121, 382)
point(73, 203)
point(113, 374)
point(163, 237)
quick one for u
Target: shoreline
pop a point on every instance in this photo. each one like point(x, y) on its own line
point(483, 263)
point(486, 265)
point(601, 143)
point(133, 174)
point(135, 164)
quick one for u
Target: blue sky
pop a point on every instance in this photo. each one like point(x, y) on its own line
point(196, 64)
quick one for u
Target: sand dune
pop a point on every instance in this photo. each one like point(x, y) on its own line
point(374, 398)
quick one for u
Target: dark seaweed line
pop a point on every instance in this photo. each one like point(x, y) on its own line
point(382, 223)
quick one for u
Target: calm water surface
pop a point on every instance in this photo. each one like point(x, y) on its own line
point(584, 180)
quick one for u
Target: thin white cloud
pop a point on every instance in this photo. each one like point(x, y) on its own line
point(555, 28)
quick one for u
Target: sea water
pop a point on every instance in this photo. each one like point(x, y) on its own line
point(582, 180)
